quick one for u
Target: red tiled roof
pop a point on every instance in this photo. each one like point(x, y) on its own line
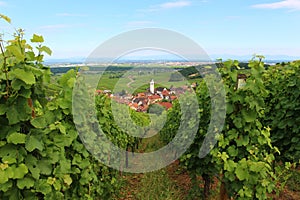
point(165, 93)
point(167, 105)
point(153, 97)
point(141, 94)
point(133, 105)
point(99, 91)
point(173, 97)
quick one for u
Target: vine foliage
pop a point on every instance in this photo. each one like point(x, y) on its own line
point(41, 155)
point(283, 107)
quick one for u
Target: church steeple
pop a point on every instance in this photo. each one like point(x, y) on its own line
point(152, 86)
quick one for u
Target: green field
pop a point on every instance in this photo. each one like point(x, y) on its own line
point(132, 81)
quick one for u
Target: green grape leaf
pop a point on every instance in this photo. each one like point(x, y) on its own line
point(243, 140)
point(67, 179)
point(20, 171)
point(249, 115)
point(26, 76)
point(39, 122)
point(241, 173)
point(229, 108)
point(3, 109)
point(13, 115)
point(238, 122)
point(37, 38)
point(45, 49)
point(31, 162)
point(45, 166)
point(3, 177)
point(9, 153)
point(57, 185)
point(61, 128)
point(257, 166)
point(16, 51)
point(25, 183)
point(7, 19)
point(51, 180)
point(6, 186)
point(43, 187)
point(71, 82)
point(2, 143)
point(230, 165)
point(85, 163)
point(232, 151)
point(16, 84)
point(64, 167)
point(16, 138)
point(33, 143)
point(25, 93)
point(23, 109)
point(3, 166)
point(10, 172)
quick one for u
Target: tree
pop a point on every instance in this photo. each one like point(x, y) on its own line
point(156, 109)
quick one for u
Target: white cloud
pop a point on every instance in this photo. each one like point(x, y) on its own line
point(176, 4)
point(287, 4)
point(139, 23)
point(168, 5)
point(70, 15)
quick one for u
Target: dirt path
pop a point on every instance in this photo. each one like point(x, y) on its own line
point(157, 185)
point(131, 81)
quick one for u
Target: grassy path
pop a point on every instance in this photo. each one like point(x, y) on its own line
point(157, 185)
point(131, 81)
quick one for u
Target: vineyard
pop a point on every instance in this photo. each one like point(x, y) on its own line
point(42, 155)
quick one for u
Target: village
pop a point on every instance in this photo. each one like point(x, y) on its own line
point(154, 95)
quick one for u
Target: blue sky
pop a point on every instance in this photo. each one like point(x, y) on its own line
point(235, 27)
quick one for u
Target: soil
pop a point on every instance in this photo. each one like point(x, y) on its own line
point(181, 179)
point(129, 191)
point(287, 194)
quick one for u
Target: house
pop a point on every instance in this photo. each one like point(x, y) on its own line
point(143, 108)
point(140, 101)
point(98, 92)
point(194, 85)
point(154, 98)
point(166, 105)
point(165, 94)
point(159, 90)
point(173, 97)
point(106, 91)
point(133, 106)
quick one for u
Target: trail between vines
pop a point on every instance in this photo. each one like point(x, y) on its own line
point(167, 183)
point(131, 81)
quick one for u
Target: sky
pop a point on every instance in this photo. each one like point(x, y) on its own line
point(232, 27)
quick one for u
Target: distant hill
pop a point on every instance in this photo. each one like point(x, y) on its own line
point(170, 58)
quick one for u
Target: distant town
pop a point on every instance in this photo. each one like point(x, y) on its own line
point(154, 95)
